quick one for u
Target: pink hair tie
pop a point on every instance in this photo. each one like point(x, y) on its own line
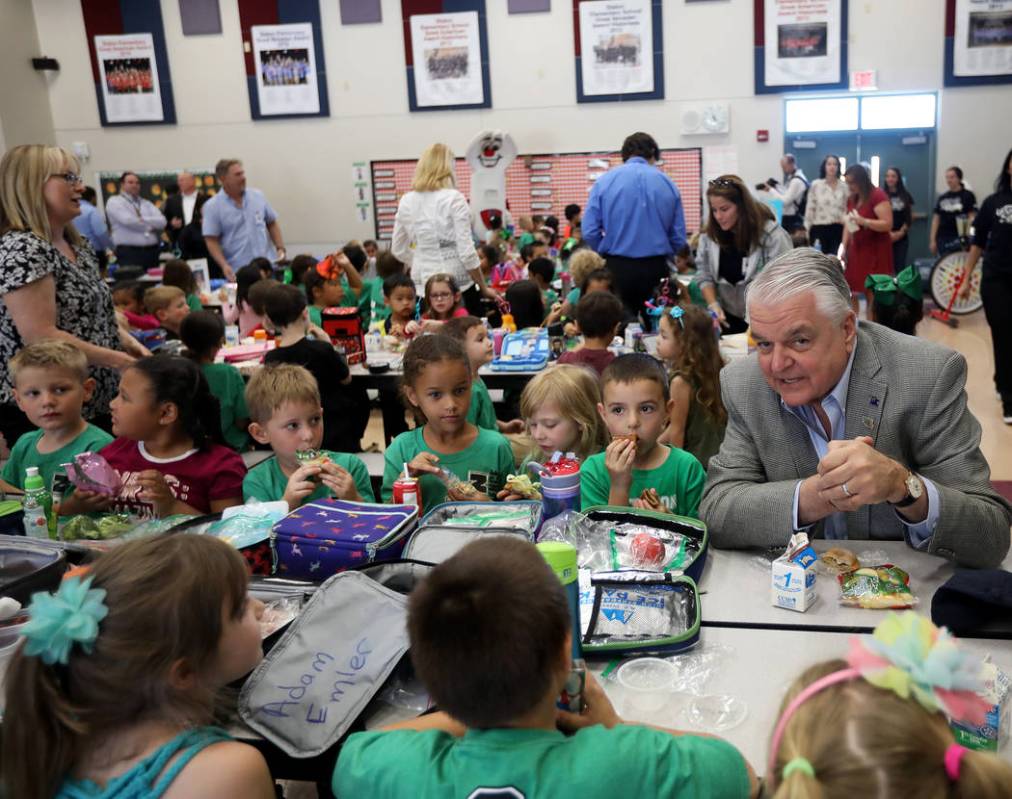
point(953, 758)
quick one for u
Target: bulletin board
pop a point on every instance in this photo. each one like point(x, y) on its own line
point(542, 184)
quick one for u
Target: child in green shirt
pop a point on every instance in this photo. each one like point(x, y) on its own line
point(51, 384)
point(635, 469)
point(286, 413)
point(437, 381)
point(332, 282)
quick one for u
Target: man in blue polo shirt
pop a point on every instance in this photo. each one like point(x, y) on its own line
point(238, 223)
point(634, 219)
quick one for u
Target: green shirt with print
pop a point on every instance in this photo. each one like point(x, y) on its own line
point(227, 385)
point(194, 302)
point(679, 482)
point(481, 411)
point(266, 482)
point(25, 453)
point(484, 464)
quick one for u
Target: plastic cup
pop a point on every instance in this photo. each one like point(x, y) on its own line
point(646, 686)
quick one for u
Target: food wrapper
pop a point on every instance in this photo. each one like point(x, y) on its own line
point(89, 471)
point(636, 546)
point(461, 488)
point(877, 587)
point(523, 486)
point(96, 529)
point(277, 613)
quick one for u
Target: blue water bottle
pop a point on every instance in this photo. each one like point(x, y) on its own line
point(560, 484)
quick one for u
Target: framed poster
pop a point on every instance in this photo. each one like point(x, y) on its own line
point(285, 69)
point(446, 50)
point(619, 55)
point(129, 62)
point(801, 45)
point(978, 42)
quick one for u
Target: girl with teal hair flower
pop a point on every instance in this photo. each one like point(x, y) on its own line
point(112, 693)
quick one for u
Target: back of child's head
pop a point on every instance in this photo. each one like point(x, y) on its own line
point(272, 386)
point(571, 211)
point(50, 353)
point(258, 294)
point(635, 366)
point(167, 599)
point(601, 277)
point(263, 266)
point(526, 303)
point(426, 350)
point(488, 629)
point(599, 313)
point(356, 255)
point(398, 279)
point(490, 253)
point(581, 263)
point(862, 740)
point(697, 357)
point(128, 292)
point(387, 265)
point(179, 380)
point(543, 268)
point(902, 316)
point(457, 328)
point(685, 254)
point(201, 333)
point(528, 251)
point(283, 305)
point(300, 265)
point(245, 279)
point(161, 297)
point(178, 273)
point(574, 392)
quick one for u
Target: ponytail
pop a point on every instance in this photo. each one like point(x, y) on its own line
point(982, 775)
point(180, 381)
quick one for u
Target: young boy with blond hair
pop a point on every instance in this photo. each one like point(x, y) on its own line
point(51, 385)
point(168, 305)
point(285, 412)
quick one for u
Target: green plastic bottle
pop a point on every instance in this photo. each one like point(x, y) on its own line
point(37, 504)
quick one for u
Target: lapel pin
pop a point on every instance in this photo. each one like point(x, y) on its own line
point(873, 402)
point(869, 422)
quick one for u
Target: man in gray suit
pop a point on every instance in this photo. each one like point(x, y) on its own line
point(847, 430)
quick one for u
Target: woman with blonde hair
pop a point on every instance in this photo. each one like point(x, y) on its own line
point(741, 236)
point(49, 278)
point(432, 229)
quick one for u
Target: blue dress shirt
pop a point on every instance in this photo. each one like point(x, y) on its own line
point(241, 231)
point(834, 406)
point(91, 224)
point(634, 211)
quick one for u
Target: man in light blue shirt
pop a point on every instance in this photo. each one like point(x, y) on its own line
point(634, 219)
point(91, 224)
point(136, 224)
point(238, 223)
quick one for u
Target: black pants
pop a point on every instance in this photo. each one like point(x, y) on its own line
point(636, 278)
point(996, 291)
point(828, 236)
point(900, 248)
point(146, 257)
point(791, 222)
point(472, 300)
point(735, 324)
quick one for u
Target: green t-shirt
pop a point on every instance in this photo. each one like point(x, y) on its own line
point(595, 763)
point(573, 297)
point(679, 482)
point(228, 387)
point(372, 305)
point(550, 296)
point(25, 453)
point(484, 464)
point(349, 300)
point(194, 302)
point(481, 412)
point(267, 483)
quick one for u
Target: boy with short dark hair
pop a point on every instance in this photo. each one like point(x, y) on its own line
point(168, 305)
point(372, 306)
point(286, 413)
point(542, 272)
point(598, 316)
point(51, 385)
point(399, 296)
point(497, 734)
point(346, 408)
point(635, 469)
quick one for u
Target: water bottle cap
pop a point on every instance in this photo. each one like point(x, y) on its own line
point(562, 558)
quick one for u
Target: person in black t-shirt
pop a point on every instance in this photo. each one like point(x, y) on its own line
point(958, 202)
point(345, 407)
point(992, 237)
point(902, 204)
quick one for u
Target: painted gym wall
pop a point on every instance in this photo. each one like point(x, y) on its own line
point(24, 98)
point(304, 165)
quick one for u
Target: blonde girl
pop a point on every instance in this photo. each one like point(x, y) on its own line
point(687, 343)
point(560, 408)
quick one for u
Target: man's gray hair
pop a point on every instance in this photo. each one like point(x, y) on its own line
point(796, 272)
point(225, 164)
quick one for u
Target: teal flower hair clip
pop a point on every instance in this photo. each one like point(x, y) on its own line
point(60, 620)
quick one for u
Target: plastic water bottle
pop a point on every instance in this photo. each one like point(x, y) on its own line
point(560, 485)
point(562, 558)
point(37, 505)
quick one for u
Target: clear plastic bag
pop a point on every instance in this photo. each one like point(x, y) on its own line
point(248, 527)
point(277, 613)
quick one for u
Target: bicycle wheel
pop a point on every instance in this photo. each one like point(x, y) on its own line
point(945, 276)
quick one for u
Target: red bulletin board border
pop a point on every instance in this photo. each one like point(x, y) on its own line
point(569, 179)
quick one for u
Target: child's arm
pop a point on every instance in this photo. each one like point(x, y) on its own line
point(228, 768)
point(155, 490)
point(681, 398)
point(515, 426)
point(618, 460)
point(80, 501)
point(301, 485)
point(354, 278)
point(340, 482)
point(430, 721)
point(7, 488)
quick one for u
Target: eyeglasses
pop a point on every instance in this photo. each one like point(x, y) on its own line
point(440, 296)
point(70, 177)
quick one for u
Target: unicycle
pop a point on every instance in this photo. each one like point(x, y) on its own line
point(948, 281)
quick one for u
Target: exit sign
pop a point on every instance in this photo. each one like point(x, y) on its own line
point(864, 80)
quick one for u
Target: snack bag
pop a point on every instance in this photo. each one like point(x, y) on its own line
point(877, 587)
point(89, 471)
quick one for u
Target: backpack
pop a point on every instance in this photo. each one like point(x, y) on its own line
point(803, 202)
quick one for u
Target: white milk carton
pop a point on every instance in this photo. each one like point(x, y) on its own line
point(792, 583)
point(994, 732)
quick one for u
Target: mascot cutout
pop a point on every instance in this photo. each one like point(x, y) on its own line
point(488, 155)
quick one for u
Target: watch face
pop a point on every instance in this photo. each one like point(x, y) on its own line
point(914, 486)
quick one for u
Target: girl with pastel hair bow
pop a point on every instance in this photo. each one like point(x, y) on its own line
point(875, 725)
point(113, 692)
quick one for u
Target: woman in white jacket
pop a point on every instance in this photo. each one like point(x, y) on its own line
point(432, 229)
point(740, 238)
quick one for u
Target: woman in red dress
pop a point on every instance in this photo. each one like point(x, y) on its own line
point(866, 238)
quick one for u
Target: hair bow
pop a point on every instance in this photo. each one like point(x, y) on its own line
point(908, 281)
point(662, 300)
point(64, 618)
point(328, 268)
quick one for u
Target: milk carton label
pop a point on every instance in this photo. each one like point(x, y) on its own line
point(792, 579)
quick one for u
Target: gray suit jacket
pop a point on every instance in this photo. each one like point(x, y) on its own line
point(908, 395)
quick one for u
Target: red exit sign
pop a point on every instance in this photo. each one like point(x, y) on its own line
point(863, 80)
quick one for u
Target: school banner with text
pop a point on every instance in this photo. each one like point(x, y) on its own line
point(800, 45)
point(978, 42)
